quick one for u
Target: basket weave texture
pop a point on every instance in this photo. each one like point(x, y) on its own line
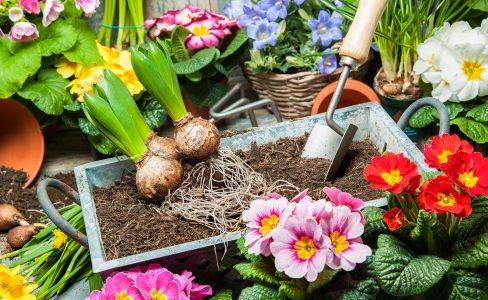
point(295, 93)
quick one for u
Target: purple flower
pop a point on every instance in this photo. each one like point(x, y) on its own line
point(325, 29)
point(298, 2)
point(338, 3)
point(23, 32)
point(15, 14)
point(30, 6)
point(274, 8)
point(251, 14)
point(327, 64)
point(233, 9)
point(263, 33)
point(88, 6)
point(51, 12)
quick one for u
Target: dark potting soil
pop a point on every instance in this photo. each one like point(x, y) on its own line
point(282, 160)
point(130, 225)
point(25, 201)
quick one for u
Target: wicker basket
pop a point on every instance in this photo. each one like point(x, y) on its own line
point(295, 93)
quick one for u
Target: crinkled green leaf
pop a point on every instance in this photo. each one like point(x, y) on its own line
point(479, 113)
point(400, 273)
point(294, 290)
point(154, 114)
point(423, 117)
point(58, 37)
point(73, 106)
point(206, 92)
point(239, 40)
point(428, 227)
point(259, 271)
point(223, 295)
point(323, 278)
point(48, 93)
point(87, 127)
point(102, 144)
point(453, 108)
point(16, 68)
point(178, 37)
point(374, 218)
point(476, 222)
point(478, 4)
point(470, 253)
point(243, 250)
point(365, 290)
point(260, 292)
point(85, 49)
point(467, 285)
point(197, 62)
point(476, 131)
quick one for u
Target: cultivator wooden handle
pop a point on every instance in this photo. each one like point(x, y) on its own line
point(357, 42)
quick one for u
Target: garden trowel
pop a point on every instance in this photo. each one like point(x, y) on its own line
point(332, 141)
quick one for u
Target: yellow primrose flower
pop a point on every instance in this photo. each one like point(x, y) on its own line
point(84, 83)
point(60, 238)
point(14, 286)
point(105, 53)
point(67, 69)
point(130, 80)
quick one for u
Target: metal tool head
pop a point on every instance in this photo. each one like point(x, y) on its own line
point(341, 151)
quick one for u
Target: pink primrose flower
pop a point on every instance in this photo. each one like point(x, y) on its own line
point(192, 290)
point(121, 286)
point(189, 14)
point(314, 209)
point(339, 197)
point(158, 284)
point(88, 6)
point(15, 14)
point(30, 6)
point(23, 32)
point(204, 33)
point(51, 12)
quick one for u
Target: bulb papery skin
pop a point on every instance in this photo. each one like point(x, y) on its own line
point(196, 139)
point(10, 217)
point(159, 170)
point(20, 235)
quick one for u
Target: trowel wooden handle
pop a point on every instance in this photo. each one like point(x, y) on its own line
point(357, 42)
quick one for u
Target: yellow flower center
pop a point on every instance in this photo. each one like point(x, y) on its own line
point(60, 238)
point(200, 30)
point(339, 242)
point(157, 295)
point(268, 224)
point(392, 178)
point(123, 296)
point(305, 248)
point(443, 156)
point(446, 200)
point(431, 62)
point(468, 179)
point(473, 70)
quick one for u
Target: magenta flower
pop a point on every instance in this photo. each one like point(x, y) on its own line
point(23, 32)
point(30, 6)
point(134, 272)
point(339, 197)
point(88, 6)
point(15, 14)
point(192, 290)
point(273, 196)
point(121, 286)
point(96, 295)
point(158, 284)
point(204, 33)
point(344, 229)
point(300, 196)
point(307, 208)
point(165, 23)
point(262, 219)
point(300, 249)
point(51, 12)
point(189, 14)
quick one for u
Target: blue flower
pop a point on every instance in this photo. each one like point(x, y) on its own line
point(298, 2)
point(326, 28)
point(327, 64)
point(374, 46)
point(263, 33)
point(233, 9)
point(338, 3)
point(274, 8)
point(251, 14)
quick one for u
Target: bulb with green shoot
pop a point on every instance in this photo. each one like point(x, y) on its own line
point(115, 114)
point(196, 139)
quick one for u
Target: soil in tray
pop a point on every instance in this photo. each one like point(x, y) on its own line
point(282, 160)
point(25, 201)
point(129, 225)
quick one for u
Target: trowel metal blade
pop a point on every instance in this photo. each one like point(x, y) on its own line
point(322, 142)
point(341, 151)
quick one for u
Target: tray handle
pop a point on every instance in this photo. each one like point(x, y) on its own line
point(53, 213)
point(444, 121)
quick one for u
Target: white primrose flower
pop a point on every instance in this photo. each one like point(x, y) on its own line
point(428, 64)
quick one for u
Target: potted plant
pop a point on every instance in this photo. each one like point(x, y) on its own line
point(457, 76)
point(431, 242)
point(204, 47)
point(287, 67)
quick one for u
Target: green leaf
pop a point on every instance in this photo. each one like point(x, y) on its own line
point(476, 222)
point(467, 285)
point(478, 4)
point(85, 50)
point(453, 108)
point(476, 131)
point(48, 93)
point(239, 40)
point(154, 114)
point(87, 127)
point(258, 271)
point(323, 278)
point(178, 38)
point(423, 117)
point(479, 113)
point(73, 106)
point(260, 292)
point(243, 250)
point(470, 253)
point(365, 290)
point(293, 290)
point(223, 295)
point(400, 273)
point(374, 218)
point(200, 60)
point(430, 229)
point(69, 120)
point(16, 68)
point(58, 37)
point(102, 144)
point(206, 92)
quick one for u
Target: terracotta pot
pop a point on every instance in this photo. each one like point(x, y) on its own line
point(21, 139)
point(202, 112)
point(355, 92)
